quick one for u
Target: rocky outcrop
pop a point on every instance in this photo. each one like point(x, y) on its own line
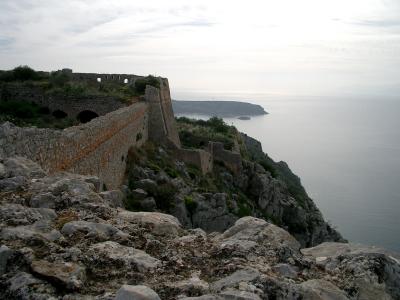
point(86, 248)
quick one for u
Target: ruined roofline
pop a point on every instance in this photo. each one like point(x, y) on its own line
point(104, 77)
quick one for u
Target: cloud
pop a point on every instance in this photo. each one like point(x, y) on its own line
point(384, 23)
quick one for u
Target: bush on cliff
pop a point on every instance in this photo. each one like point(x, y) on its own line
point(197, 133)
point(21, 73)
point(141, 83)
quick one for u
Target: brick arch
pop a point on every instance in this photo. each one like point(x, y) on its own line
point(86, 116)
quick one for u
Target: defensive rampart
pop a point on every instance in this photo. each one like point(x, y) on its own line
point(96, 148)
point(100, 147)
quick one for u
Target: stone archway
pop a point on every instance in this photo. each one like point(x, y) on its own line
point(86, 116)
point(59, 114)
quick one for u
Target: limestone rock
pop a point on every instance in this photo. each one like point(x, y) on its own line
point(238, 295)
point(43, 200)
point(3, 172)
point(148, 204)
point(12, 183)
point(24, 286)
point(98, 231)
point(249, 232)
point(245, 275)
point(112, 252)
point(40, 230)
point(192, 286)
point(5, 255)
point(158, 222)
point(139, 194)
point(318, 289)
point(374, 272)
point(148, 185)
point(113, 198)
point(21, 166)
point(136, 292)
point(286, 270)
point(16, 214)
point(211, 212)
point(68, 275)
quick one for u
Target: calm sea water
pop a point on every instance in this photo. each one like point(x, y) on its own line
point(347, 154)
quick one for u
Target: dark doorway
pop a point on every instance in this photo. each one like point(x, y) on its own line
point(86, 116)
point(59, 114)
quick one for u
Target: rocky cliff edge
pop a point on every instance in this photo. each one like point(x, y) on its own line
point(61, 238)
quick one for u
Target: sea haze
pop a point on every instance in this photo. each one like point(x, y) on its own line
point(347, 154)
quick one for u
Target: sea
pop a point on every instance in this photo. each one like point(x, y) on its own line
point(346, 150)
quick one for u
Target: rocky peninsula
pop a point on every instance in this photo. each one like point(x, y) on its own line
point(220, 109)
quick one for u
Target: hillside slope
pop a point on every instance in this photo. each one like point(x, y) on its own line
point(213, 202)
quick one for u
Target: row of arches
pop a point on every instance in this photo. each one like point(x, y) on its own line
point(126, 80)
point(83, 117)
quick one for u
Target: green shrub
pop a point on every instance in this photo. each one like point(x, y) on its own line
point(190, 204)
point(19, 109)
point(58, 79)
point(268, 167)
point(141, 83)
point(244, 210)
point(164, 196)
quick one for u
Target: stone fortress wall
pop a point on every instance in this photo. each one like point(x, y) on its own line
point(72, 106)
point(96, 148)
point(100, 147)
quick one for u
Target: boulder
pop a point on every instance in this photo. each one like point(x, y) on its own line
point(12, 183)
point(136, 292)
point(148, 185)
point(21, 166)
point(113, 198)
point(139, 194)
point(192, 286)
point(5, 255)
point(238, 295)
point(244, 275)
point(24, 286)
point(250, 232)
point(114, 253)
point(64, 274)
point(374, 272)
point(318, 289)
point(148, 204)
point(158, 223)
point(43, 200)
point(211, 212)
point(98, 231)
point(286, 270)
point(40, 230)
point(16, 214)
point(3, 172)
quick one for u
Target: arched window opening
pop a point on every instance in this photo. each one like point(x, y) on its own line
point(86, 116)
point(98, 79)
point(126, 80)
point(59, 114)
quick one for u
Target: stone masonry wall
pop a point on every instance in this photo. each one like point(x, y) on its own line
point(231, 160)
point(97, 148)
point(162, 126)
point(121, 78)
point(72, 105)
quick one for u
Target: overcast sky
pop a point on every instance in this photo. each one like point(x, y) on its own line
point(210, 48)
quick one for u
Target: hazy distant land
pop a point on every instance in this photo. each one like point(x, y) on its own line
point(217, 108)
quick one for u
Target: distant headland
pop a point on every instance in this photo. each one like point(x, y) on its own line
point(218, 108)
